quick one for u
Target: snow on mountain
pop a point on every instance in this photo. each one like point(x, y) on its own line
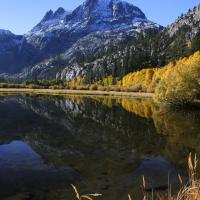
point(93, 15)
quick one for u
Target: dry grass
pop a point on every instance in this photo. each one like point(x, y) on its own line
point(189, 191)
point(75, 92)
point(84, 196)
point(101, 88)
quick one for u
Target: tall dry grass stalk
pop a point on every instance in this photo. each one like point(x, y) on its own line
point(188, 191)
point(129, 197)
point(84, 196)
point(191, 191)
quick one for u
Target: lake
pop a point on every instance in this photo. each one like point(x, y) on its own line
point(100, 144)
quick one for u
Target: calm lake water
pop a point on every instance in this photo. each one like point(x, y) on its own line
point(99, 144)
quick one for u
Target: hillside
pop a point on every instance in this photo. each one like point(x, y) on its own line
point(98, 39)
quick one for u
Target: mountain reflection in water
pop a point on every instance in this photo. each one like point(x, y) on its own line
point(100, 144)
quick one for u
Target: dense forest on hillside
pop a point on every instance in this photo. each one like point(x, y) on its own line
point(151, 49)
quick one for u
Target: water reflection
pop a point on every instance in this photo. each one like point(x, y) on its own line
point(182, 127)
point(100, 144)
point(18, 154)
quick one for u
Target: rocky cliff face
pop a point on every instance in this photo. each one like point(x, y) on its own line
point(191, 19)
point(182, 36)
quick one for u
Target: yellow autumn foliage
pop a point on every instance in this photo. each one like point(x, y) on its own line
point(76, 82)
point(107, 81)
point(177, 83)
point(140, 79)
point(140, 107)
point(180, 83)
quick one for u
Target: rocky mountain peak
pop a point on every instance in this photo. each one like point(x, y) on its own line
point(124, 9)
point(59, 11)
point(48, 16)
point(106, 10)
point(59, 14)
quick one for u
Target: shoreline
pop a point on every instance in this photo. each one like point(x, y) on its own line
point(75, 92)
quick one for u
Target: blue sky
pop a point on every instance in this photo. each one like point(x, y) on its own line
point(20, 16)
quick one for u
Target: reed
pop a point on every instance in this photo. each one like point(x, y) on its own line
point(188, 191)
point(84, 196)
point(191, 191)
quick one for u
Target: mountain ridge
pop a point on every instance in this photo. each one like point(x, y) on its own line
point(66, 45)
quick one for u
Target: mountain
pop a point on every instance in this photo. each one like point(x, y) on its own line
point(62, 32)
point(182, 37)
point(97, 39)
point(190, 19)
point(59, 31)
point(9, 45)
